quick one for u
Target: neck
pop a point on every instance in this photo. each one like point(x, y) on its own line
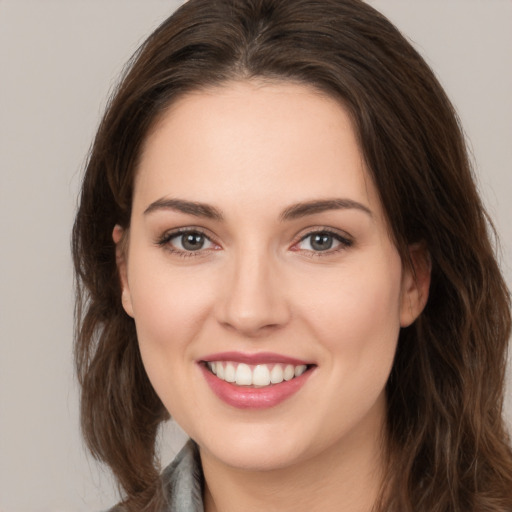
point(347, 477)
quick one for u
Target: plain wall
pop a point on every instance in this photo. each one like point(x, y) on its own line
point(58, 61)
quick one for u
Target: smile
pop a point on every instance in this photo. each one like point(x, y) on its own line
point(260, 375)
point(254, 381)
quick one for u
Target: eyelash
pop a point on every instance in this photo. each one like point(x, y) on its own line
point(165, 239)
point(344, 242)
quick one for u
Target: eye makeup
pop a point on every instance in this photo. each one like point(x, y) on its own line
point(193, 241)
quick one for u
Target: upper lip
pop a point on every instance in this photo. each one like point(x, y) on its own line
point(256, 358)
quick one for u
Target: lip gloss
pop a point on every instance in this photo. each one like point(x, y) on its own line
point(247, 397)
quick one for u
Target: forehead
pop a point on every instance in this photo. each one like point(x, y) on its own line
point(254, 141)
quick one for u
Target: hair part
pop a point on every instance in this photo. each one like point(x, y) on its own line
point(447, 445)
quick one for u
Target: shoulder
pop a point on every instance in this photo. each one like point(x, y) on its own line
point(182, 481)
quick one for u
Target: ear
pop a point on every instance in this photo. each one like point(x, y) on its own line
point(120, 237)
point(415, 284)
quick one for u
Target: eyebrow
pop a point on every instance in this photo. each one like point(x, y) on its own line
point(303, 209)
point(189, 207)
point(293, 212)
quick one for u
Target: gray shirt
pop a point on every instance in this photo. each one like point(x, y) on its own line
point(182, 481)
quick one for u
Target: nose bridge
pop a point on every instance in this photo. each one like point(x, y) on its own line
point(254, 299)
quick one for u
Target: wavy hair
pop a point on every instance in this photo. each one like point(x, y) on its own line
point(448, 448)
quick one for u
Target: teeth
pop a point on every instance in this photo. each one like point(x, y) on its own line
point(260, 375)
point(299, 370)
point(230, 373)
point(276, 375)
point(243, 375)
point(289, 372)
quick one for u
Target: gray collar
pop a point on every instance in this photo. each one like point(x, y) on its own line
point(183, 481)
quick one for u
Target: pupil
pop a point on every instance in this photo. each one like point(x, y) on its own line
point(192, 241)
point(321, 242)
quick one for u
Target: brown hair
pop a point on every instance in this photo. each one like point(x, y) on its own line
point(447, 443)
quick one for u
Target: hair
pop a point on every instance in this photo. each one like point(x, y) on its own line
point(447, 445)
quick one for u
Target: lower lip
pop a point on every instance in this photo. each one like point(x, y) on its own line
point(245, 397)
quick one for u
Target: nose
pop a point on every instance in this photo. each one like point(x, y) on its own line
point(253, 301)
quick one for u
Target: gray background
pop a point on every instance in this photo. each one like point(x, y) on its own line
point(58, 61)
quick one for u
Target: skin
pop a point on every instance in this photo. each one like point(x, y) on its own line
point(252, 150)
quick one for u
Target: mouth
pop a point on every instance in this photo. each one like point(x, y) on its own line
point(255, 375)
point(254, 381)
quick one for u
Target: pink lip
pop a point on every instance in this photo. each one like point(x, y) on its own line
point(258, 358)
point(248, 397)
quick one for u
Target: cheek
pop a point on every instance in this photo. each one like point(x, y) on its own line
point(166, 299)
point(170, 307)
point(356, 315)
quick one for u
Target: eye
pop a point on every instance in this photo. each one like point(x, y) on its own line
point(186, 241)
point(323, 241)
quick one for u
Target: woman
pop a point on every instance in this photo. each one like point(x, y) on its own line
point(280, 244)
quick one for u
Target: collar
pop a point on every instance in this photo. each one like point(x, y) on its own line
point(183, 481)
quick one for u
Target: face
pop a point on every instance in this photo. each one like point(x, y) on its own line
point(266, 291)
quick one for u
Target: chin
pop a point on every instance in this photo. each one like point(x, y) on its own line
point(253, 457)
point(257, 447)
